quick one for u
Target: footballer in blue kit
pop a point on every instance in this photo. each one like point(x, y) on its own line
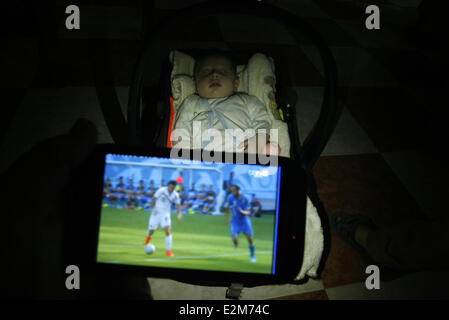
point(191, 197)
point(120, 192)
point(240, 220)
point(130, 197)
point(108, 195)
point(139, 195)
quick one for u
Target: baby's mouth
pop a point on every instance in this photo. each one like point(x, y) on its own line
point(215, 84)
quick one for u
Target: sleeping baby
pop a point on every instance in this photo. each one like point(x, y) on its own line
point(217, 117)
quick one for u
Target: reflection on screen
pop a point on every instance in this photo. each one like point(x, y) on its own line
point(177, 213)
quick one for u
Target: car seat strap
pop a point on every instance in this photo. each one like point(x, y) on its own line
point(213, 112)
point(234, 291)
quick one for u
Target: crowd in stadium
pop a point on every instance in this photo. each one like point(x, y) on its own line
point(139, 198)
point(130, 197)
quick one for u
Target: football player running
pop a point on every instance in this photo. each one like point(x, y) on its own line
point(160, 215)
point(240, 220)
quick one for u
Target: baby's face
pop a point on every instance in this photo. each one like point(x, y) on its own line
point(215, 78)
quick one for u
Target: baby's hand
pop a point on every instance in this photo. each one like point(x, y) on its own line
point(271, 149)
point(250, 145)
point(255, 145)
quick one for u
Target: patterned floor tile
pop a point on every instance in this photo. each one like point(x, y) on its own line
point(362, 184)
point(303, 8)
point(269, 292)
point(114, 61)
point(341, 9)
point(355, 67)
point(343, 265)
point(315, 295)
point(105, 22)
point(165, 289)
point(174, 4)
point(195, 45)
point(253, 29)
point(353, 291)
point(412, 68)
point(348, 137)
point(11, 98)
point(414, 286)
point(391, 118)
point(424, 176)
point(45, 113)
point(396, 14)
point(406, 3)
point(386, 37)
point(80, 62)
point(329, 30)
point(197, 29)
point(19, 62)
point(118, 3)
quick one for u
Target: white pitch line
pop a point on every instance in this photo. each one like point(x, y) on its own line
point(195, 257)
point(120, 245)
point(141, 246)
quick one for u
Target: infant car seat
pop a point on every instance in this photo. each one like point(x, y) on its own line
point(151, 126)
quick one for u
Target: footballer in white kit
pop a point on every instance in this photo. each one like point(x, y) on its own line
point(160, 215)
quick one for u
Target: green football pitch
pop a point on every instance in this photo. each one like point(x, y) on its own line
point(199, 242)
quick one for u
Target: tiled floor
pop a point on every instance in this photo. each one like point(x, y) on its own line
point(373, 163)
point(348, 138)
